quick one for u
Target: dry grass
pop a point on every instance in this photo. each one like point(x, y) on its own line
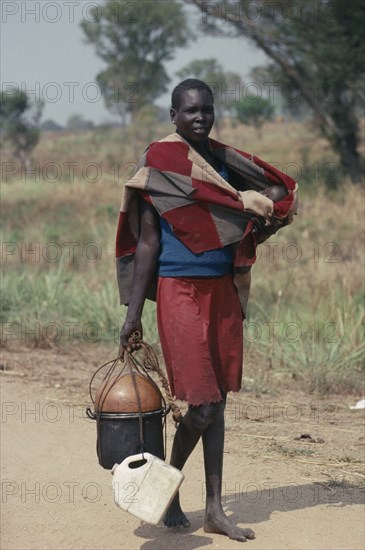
point(308, 279)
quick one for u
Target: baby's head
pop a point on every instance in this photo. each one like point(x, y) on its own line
point(276, 192)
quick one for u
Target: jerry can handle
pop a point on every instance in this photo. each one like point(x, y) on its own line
point(133, 458)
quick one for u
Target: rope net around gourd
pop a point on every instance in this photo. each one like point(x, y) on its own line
point(147, 363)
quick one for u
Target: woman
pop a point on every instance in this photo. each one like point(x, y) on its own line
point(196, 229)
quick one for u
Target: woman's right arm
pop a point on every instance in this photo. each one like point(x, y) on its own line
point(147, 252)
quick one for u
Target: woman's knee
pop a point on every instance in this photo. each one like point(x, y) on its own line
point(203, 415)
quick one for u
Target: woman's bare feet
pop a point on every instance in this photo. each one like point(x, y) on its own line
point(175, 517)
point(219, 523)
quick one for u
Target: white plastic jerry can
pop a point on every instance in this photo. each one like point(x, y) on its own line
point(145, 490)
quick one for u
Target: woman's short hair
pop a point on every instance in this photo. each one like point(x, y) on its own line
point(188, 84)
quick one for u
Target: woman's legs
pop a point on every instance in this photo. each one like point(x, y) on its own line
point(216, 520)
point(206, 421)
point(192, 426)
point(200, 327)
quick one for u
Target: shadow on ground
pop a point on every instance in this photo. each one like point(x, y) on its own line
point(250, 507)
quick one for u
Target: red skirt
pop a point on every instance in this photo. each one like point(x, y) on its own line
point(201, 333)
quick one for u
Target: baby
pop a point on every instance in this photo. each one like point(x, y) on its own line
point(276, 193)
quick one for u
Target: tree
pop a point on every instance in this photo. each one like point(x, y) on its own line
point(254, 111)
point(226, 86)
point(135, 39)
point(143, 128)
point(318, 48)
point(50, 125)
point(288, 103)
point(78, 122)
point(20, 123)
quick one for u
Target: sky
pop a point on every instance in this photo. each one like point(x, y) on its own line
point(43, 51)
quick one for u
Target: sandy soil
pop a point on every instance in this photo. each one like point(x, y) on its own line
point(295, 493)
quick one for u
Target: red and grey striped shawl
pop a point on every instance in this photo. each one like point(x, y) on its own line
point(204, 211)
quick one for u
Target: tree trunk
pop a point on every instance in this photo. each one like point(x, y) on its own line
point(350, 159)
point(345, 139)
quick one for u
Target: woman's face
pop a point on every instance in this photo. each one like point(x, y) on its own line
point(195, 117)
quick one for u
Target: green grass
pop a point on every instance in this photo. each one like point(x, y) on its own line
point(57, 306)
point(286, 451)
point(350, 460)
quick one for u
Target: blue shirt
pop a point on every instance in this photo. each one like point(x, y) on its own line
point(176, 260)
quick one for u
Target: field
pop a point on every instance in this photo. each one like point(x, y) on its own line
point(306, 318)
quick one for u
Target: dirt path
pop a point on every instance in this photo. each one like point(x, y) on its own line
point(295, 494)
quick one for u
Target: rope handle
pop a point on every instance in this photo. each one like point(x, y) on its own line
point(148, 362)
point(113, 362)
